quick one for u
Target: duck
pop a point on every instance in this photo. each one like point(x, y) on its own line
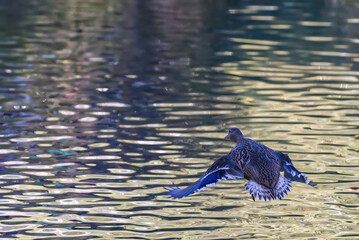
point(253, 161)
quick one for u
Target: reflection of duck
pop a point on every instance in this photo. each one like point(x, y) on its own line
point(255, 162)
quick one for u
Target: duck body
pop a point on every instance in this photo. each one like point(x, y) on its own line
point(261, 167)
point(256, 161)
point(251, 160)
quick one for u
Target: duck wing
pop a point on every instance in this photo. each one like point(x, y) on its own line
point(222, 168)
point(290, 171)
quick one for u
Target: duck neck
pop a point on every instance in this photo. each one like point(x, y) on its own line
point(239, 139)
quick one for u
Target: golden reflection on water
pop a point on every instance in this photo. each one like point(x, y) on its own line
point(113, 125)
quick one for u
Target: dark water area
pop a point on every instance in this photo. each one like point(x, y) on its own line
point(104, 102)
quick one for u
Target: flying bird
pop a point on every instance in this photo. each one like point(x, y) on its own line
point(251, 160)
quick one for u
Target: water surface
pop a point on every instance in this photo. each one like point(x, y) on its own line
point(103, 103)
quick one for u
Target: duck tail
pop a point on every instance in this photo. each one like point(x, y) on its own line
point(282, 187)
point(261, 192)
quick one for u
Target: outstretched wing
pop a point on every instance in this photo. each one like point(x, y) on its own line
point(222, 168)
point(290, 171)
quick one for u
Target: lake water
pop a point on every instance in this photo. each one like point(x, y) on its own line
point(103, 103)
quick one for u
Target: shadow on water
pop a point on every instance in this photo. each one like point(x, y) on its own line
point(105, 102)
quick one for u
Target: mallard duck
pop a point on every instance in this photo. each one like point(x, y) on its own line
point(251, 160)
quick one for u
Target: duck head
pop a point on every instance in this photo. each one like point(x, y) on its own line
point(234, 134)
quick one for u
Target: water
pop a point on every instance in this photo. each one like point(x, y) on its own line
point(103, 103)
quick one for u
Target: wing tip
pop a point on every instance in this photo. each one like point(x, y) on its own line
point(314, 185)
point(175, 192)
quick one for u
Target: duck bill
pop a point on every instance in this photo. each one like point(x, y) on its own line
point(227, 137)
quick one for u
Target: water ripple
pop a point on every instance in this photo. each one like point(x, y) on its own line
point(105, 105)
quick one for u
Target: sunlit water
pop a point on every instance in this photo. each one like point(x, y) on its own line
point(103, 103)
